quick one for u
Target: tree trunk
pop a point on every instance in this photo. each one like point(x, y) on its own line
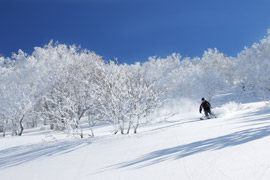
point(91, 124)
point(14, 130)
point(79, 121)
point(92, 132)
point(21, 126)
point(4, 131)
point(129, 126)
point(79, 126)
point(135, 128)
point(81, 134)
point(122, 127)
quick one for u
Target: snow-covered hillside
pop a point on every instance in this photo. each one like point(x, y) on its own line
point(66, 113)
point(233, 146)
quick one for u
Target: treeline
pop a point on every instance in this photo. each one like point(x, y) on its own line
point(59, 85)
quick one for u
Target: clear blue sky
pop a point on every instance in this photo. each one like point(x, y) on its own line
point(133, 30)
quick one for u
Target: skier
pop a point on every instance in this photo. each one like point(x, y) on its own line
point(206, 106)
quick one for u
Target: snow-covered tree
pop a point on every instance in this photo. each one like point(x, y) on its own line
point(253, 68)
point(17, 94)
point(72, 92)
point(142, 97)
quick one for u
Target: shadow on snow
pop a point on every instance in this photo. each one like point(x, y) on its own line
point(182, 151)
point(21, 154)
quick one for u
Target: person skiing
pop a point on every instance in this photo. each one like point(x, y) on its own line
point(206, 106)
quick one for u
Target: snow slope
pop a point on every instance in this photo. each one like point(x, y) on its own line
point(234, 146)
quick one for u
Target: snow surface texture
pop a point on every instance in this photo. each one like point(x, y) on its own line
point(233, 146)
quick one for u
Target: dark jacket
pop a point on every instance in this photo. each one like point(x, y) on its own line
point(206, 106)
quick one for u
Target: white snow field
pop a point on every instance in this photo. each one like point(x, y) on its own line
point(234, 146)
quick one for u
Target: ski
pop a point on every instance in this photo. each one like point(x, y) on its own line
point(204, 118)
